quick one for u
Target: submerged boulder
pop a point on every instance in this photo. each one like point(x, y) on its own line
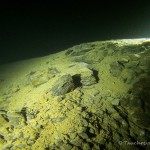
point(116, 68)
point(88, 78)
point(63, 85)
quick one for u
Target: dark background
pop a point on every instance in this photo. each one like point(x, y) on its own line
point(29, 30)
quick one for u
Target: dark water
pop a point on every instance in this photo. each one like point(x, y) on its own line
point(27, 32)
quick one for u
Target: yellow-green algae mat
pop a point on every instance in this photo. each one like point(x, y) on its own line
point(93, 96)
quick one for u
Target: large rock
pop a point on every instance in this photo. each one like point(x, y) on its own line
point(116, 68)
point(88, 78)
point(63, 85)
point(84, 75)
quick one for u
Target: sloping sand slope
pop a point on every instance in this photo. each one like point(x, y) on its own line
point(90, 96)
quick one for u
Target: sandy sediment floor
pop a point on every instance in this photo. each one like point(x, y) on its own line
point(90, 96)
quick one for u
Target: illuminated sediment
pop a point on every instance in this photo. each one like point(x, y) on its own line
point(90, 96)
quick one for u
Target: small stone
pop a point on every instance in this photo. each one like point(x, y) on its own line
point(38, 78)
point(58, 119)
point(135, 57)
point(60, 98)
point(2, 140)
point(128, 76)
point(8, 146)
point(142, 132)
point(52, 72)
point(81, 129)
point(123, 60)
point(92, 130)
point(85, 114)
point(115, 102)
point(16, 119)
point(72, 135)
point(145, 64)
point(84, 123)
point(77, 142)
point(66, 147)
point(124, 124)
point(132, 64)
point(93, 110)
point(78, 50)
point(145, 69)
point(83, 135)
point(86, 146)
